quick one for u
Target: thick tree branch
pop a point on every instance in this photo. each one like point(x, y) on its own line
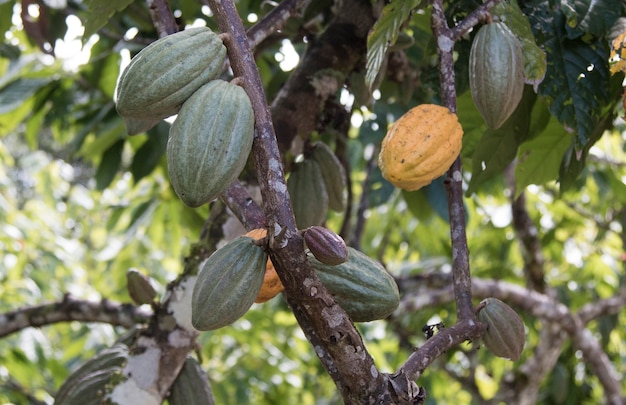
point(356, 375)
point(73, 309)
point(328, 60)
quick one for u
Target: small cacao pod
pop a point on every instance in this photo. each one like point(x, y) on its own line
point(333, 173)
point(272, 286)
point(325, 245)
point(209, 142)
point(87, 384)
point(496, 69)
point(420, 146)
point(191, 386)
point(166, 73)
point(505, 334)
point(140, 288)
point(361, 286)
point(228, 283)
point(309, 197)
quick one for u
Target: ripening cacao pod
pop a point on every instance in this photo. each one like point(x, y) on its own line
point(333, 173)
point(361, 286)
point(228, 283)
point(420, 146)
point(209, 142)
point(87, 384)
point(496, 69)
point(309, 197)
point(165, 74)
point(272, 286)
point(191, 386)
point(505, 334)
point(325, 245)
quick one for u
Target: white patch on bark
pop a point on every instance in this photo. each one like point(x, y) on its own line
point(444, 43)
point(374, 371)
point(180, 303)
point(128, 393)
point(179, 338)
point(332, 319)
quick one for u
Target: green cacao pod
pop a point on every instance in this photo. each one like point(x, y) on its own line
point(361, 286)
point(496, 69)
point(165, 74)
point(325, 245)
point(86, 385)
point(334, 175)
point(228, 283)
point(140, 287)
point(210, 141)
point(309, 197)
point(191, 386)
point(505, 334)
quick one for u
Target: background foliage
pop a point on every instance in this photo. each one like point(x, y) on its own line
point(81, 202)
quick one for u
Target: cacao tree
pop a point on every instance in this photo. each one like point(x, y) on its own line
point(360, 202)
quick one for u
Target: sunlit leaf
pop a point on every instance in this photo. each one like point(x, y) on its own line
point(384, 34)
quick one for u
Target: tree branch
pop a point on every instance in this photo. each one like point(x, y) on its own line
point(73, 309)
point(274, 20)
point(454, 184)
point(340, 348)
point(162, 17)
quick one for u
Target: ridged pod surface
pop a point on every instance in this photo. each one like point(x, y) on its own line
point(272, 286)
point(228, 283)
point(361, 286)
point(209, 142)
point(191, 387)
point(420, 146)
point(505, 335)
point(86, 385)
point(333, 173)
point(496, 69)
point(309, 197)
point(325, 245)
point(165, 74)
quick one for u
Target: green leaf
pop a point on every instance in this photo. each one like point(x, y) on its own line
point(540, 157)
point(595, 17)
point(17, 92)
point(576, 84)
point(151, 152)
point(534, 58)
point(109, 165)
point(99, 12)
point(384, 34)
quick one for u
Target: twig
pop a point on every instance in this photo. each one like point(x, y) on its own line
point(73, 309)
point(247, 211)
point(274, 20)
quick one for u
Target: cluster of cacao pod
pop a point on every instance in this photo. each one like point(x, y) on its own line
point(211, 138)
point(420, 146)
point(496, 70)
point(241, 273)
point(316, 185)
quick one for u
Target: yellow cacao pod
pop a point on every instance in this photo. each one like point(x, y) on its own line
point(420, 146)
point(272, 286)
